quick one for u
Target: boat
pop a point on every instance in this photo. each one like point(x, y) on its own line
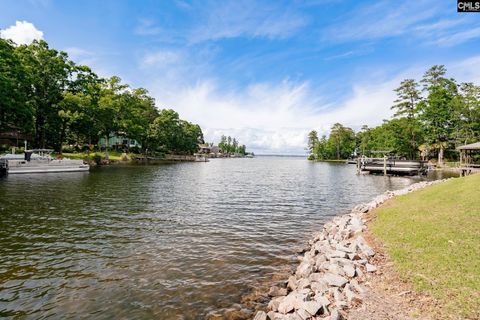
point(40, 161)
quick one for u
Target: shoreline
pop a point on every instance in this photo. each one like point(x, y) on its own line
point(330, 278)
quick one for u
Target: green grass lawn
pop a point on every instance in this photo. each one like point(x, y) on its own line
point(433, 238)
point(113, 155)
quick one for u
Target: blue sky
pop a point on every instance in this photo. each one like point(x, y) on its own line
point(266, 72)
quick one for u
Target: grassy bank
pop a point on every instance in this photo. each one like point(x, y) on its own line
point(113, 156)
point(433, 238)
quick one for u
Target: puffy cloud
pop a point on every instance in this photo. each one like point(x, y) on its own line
point(273, 117)
point(22, 32)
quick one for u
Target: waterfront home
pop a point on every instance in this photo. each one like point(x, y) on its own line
point(119, 142)
point(210, 149)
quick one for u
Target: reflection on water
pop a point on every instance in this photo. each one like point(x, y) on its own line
point(165, 242)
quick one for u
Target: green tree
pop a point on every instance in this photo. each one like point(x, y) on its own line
point(406, 105)
point(438, 109)
point(312, 144)
point(47, 72)
point(15, 110)
point(364, 140)
point(468, 114)
point(69, 111)
point(223, 143)
point(108, 115)
point(343, 140)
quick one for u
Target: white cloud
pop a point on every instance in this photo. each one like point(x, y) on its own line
point(147, 27)
point(231, 19)
point(78, 54)
point(456, 38)
point(161, 58)
point(22, 32)
point(466, 70)
point(276, 117)
point(380, 20)
point(273, 118)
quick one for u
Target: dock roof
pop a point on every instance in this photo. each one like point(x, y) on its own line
point(472, 146)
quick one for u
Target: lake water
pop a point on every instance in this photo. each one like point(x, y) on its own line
point(166, 242)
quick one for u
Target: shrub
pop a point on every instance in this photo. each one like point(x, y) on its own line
point(97, 158)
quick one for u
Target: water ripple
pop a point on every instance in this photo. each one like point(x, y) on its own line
point(165, 242)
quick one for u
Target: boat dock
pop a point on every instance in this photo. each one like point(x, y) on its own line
point(390, 165)
point(467, 165)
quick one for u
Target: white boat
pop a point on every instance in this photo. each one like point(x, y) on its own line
point(40, 161)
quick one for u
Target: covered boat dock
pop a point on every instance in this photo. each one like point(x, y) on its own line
point(467, 165)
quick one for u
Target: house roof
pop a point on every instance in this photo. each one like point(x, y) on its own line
point(472, 146)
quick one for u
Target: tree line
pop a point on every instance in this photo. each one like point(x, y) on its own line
point(231, 146)
point(431, 118)
point(49, 98)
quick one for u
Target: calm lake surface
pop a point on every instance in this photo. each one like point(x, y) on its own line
point(166, 242)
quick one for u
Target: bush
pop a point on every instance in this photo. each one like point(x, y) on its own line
point(311, 157)
point(68, 149)
point(97, 158)
point(135, 150)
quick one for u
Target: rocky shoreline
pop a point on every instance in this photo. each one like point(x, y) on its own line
point(328, 282)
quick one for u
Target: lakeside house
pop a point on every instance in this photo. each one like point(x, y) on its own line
point(211, 150)
point(119, 142)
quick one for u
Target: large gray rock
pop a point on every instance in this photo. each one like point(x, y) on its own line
point(335, 315)
point(276, 316)
point(277, 292)
point(322, 299)
point(292, 301)
point(363, 208)
point(334, 280)
point(302, 284)
point(316, 276)
point(336, 269)
point(356, 224)
point(312, 307)
point(274, 303)
point(319, 287)
point(305, 268)
point(351, 296)
point(261, 315)
point(336, 254)
point(370, 267)
point(345, 248)
point(292, 282)
point(349, 270)
point(304, 315)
